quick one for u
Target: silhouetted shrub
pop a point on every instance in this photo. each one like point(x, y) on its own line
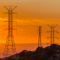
point(10, 58)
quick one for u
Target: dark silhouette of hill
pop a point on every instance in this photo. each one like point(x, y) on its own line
point(47, 53)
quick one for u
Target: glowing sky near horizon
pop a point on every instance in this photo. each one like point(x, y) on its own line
point(30, 14)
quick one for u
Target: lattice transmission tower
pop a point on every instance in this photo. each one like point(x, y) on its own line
point(52, 35)
point(39, 40)
point(10, 48)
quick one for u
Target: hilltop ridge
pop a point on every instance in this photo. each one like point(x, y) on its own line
point(48, 53)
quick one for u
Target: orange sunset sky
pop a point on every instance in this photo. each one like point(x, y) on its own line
point(30, 15)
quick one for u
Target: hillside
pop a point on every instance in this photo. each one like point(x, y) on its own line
point(48, 53)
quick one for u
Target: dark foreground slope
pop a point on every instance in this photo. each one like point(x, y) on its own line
point(49, 53)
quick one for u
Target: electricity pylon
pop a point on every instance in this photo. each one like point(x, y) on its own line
point(39, 40)
point(10, 48)
point(52, 33)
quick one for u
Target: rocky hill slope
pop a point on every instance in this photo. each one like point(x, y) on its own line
point(48, 53)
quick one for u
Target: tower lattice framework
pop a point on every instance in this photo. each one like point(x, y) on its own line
point(10, 48)
point(53, 33)
point(39, 40)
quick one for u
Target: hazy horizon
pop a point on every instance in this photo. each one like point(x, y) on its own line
point(21, 47)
